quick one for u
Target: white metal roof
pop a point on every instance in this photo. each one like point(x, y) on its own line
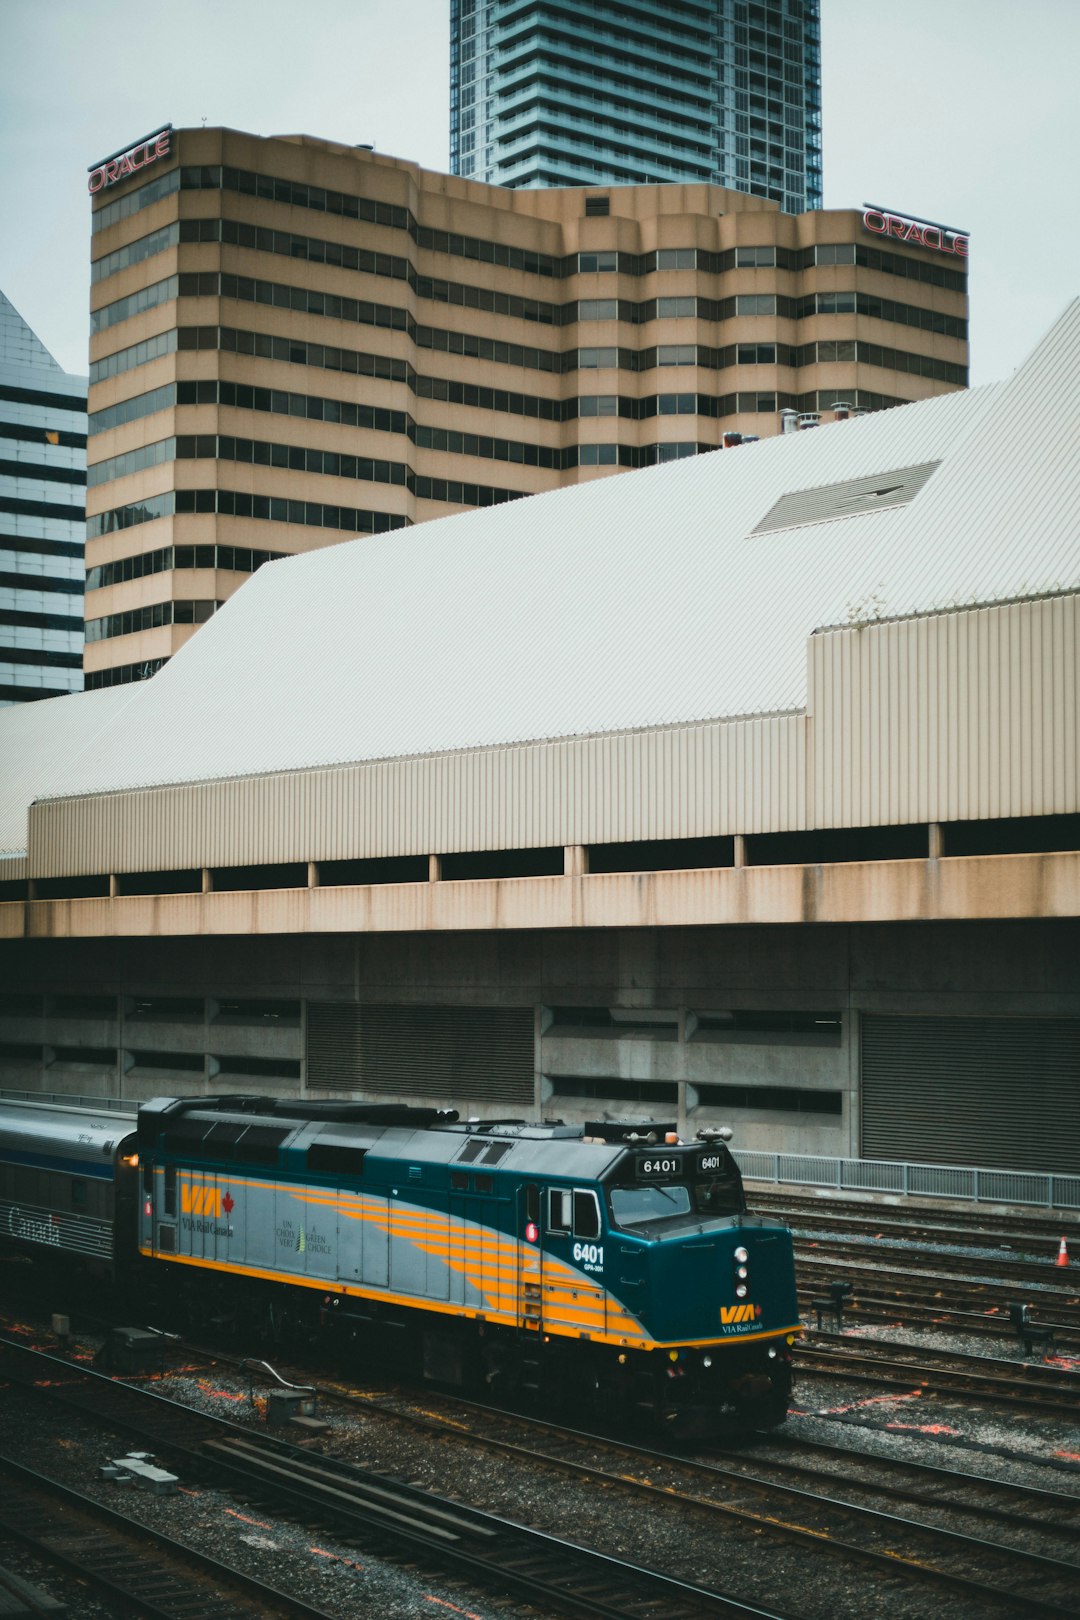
point(628, 602)
point(39, 743)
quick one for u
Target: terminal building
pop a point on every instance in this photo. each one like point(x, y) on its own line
point(294, 342)
point(741, 790)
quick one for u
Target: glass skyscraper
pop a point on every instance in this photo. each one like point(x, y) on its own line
point(609, 92)
point(42, 517)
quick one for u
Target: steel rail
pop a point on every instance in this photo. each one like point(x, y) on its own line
point(45, 1516)
point(555, 1574)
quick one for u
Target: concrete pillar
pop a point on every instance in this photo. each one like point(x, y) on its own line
point(434, 869)
point(114, 889)
point(313, 874)
point(575, 860)
point(31, 889)
point(207, 880)
point(740, 849)
point(937, 841)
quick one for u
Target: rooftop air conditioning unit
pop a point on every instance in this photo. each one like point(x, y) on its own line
point(789, 420)
point(809, 419)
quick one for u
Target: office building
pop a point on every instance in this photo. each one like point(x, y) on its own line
point(743, 790)
point(42, 517)
point(631, 92)
point(295, 342)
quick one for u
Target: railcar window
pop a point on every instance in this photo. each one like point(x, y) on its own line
point(169, 1194)
point(484, 1184)
point(586, 1214)
point(459, 1181)
point(634, 1206)
point(532, 1203)
point(558, 1210)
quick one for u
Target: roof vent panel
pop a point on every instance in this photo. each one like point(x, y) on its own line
point(849, 499)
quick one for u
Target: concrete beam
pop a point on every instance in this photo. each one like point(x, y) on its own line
point(955, 889)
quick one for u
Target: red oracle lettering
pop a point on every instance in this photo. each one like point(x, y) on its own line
point(960, 246)
point(130, 162)
point(875, 222)
point(896, 227)
point(914, 234)
point(938, 242)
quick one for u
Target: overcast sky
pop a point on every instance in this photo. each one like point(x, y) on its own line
point(962, 111)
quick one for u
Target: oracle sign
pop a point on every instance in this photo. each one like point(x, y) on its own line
point(902, 229)
point(130, 161)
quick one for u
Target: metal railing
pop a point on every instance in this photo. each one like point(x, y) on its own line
point(67, 1099)
point(1041, 1191)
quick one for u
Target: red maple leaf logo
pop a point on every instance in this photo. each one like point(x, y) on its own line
point(227, 1204)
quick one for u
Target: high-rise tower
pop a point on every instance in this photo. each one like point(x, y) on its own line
point(42, 517)
point(609, 92)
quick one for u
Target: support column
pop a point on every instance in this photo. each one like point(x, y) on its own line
point(207, 880)
point(434, 868)
point(937, 841)
point(313, 874)
point(114, 888)
point(575, 860)
point(740, 849)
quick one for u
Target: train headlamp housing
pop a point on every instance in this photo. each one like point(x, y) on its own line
point(740, 1291)
point(741, 1256)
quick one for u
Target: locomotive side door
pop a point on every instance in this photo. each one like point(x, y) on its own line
point(530, 1259)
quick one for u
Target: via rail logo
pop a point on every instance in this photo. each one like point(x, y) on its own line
point(735, 1315)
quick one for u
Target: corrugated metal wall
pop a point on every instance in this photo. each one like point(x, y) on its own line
point(694, 781)
point(956, 717)
point(996, 1091)
point(960, 716)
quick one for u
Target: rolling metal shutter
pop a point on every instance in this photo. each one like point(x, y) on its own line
point(996, 1092)
point(462, 1054)
point(333, 1046)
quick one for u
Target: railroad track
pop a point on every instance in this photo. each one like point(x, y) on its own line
point(384, 1512)
point(146, 1571)
point(1036, 1234)
point(784, 1499)
point(1030, 1386)
point(1038, 1274)
point(901, 1285)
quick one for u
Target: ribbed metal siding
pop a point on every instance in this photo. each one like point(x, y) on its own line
point(955, 717)
point(333, 1046)
point(462, 1054)
point(695, 781)
point(1000, 1092)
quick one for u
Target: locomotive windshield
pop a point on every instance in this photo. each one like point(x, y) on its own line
point(676, 1187)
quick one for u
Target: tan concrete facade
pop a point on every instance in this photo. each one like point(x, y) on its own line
point(424, 344)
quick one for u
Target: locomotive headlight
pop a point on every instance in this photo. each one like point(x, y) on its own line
point(740, 1291)
point(742, 1272)
point(706, 1361)
point(741, 1256)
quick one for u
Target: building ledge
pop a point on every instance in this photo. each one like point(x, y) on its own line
point(962, 888)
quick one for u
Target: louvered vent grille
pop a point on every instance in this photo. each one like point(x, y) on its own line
point(460, 1054)
point(854, 495)
point(333, 1046)
point(981, 1091)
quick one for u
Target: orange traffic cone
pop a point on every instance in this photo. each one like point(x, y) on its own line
point(1063, 1255)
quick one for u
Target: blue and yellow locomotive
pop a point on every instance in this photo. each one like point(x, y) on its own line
point(614, 1262)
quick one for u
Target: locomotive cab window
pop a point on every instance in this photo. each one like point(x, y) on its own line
point(638, 1206)
point(586, 1214)
point(559, 1210)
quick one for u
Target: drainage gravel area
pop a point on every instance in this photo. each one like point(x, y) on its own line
point(342, 1578)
